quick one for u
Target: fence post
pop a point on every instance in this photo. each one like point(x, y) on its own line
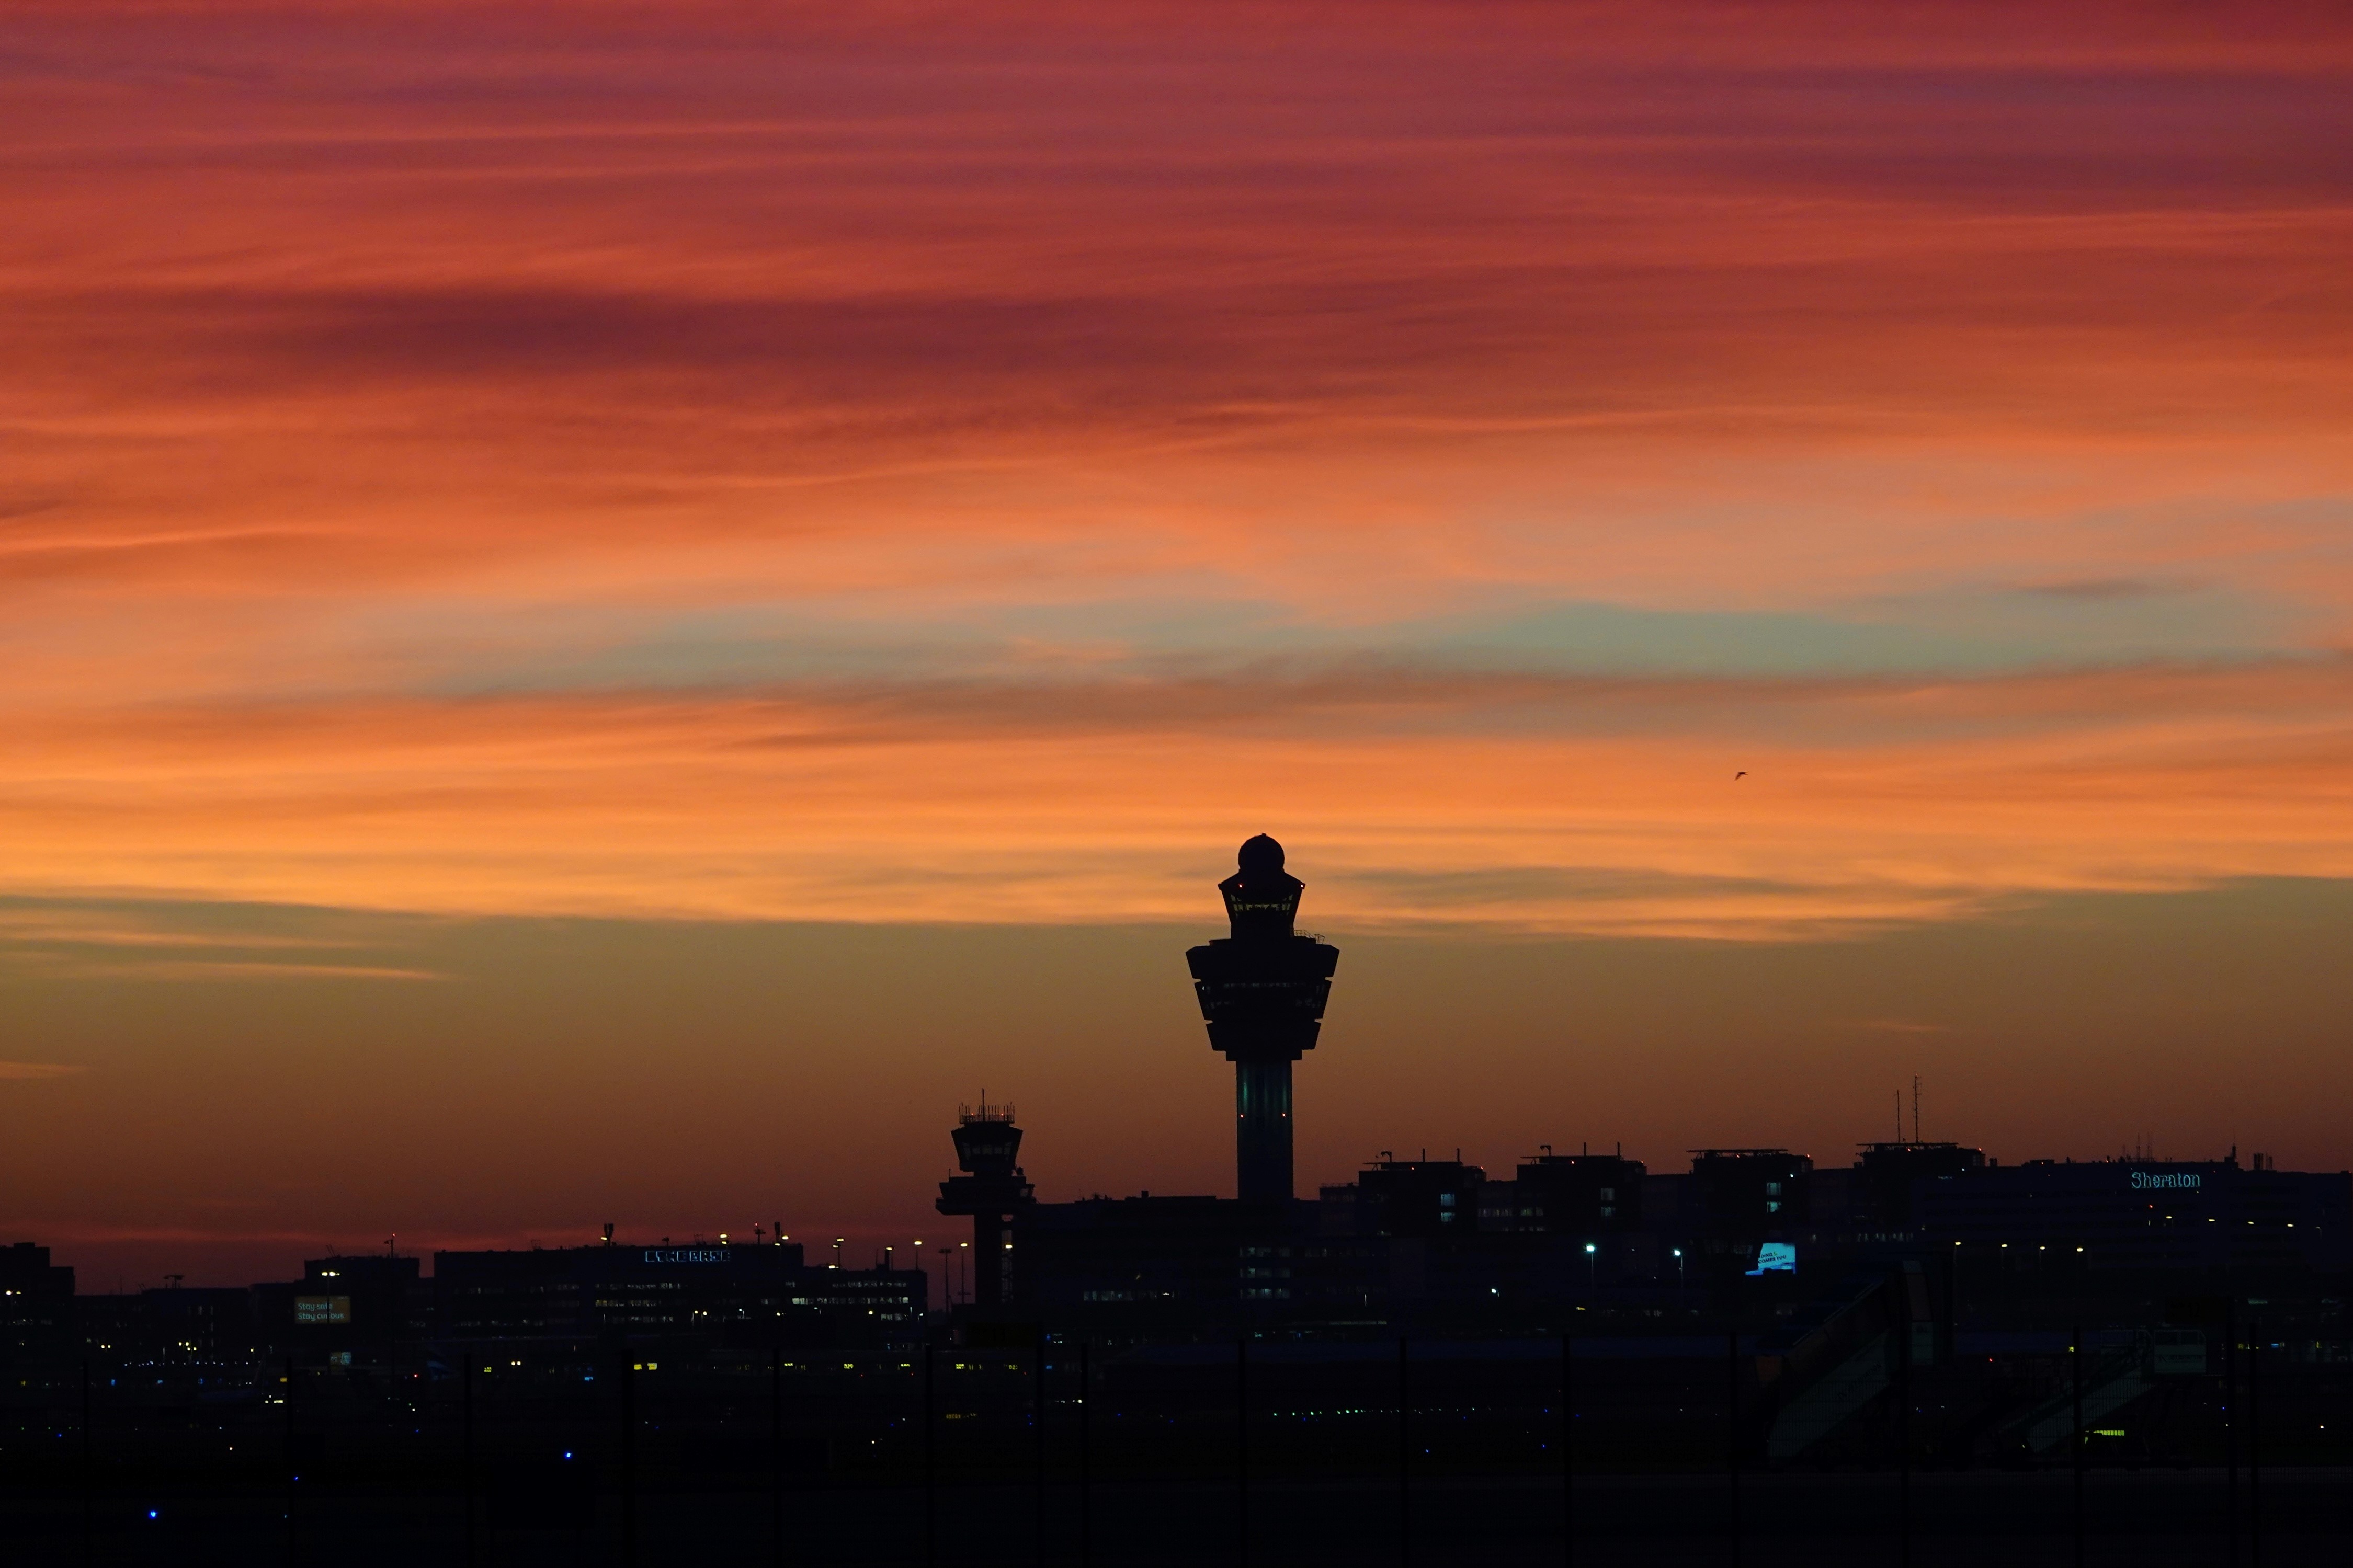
point(1242, 1451)
point(293, 1480)
point(629, 1461)
point(2075, 1436)
point(1732, 1439)
point(1405, 1456)
point(88, 1476)
point(776, 1453)
point(1086, 1458)
point(466, 1451)
point(931, 1463)
point(2230, 1428)
point(2256, 1446)
point(1904, 1448)
point(1568, 1454)
point(1038, 1443)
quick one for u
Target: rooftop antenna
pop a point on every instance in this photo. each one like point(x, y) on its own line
point(1899, 1098)
point(781, 1236)
point(609, 1233)
point(1915, 1107)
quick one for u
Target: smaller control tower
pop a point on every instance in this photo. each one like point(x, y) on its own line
point(992, 1190)
point(1263, 992)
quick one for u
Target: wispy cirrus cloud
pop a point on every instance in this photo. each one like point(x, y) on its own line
point(80, 939)
point(165, 969)
point(34, 1072)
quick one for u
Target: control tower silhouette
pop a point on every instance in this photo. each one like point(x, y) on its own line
point(991, 1190)
point(1262, 993)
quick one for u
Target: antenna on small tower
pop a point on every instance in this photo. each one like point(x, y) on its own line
point(1915, 1107)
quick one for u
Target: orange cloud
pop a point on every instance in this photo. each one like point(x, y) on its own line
point(968, 466)
point(1517, 802)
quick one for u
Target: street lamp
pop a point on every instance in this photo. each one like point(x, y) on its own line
point(1679, 1267)
point(1592, 1267)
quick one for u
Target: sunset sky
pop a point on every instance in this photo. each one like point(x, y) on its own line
point(607, 608)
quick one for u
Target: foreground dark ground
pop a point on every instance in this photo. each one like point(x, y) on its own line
point(2145, 1518)
point(1325, 1454)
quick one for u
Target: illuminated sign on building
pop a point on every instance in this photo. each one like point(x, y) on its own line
point(1775, 1257)
point(323, 1309)
point(688, 1255)
point(2145, 1180)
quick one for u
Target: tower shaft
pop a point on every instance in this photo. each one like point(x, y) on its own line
point(988, 1260)
point(1262, 1128)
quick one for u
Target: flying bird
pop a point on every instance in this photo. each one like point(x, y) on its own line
point(1738, 776)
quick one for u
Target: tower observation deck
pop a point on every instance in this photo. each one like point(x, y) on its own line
point(1262, 993)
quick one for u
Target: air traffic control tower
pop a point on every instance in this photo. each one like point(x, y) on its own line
point(1263, 992)
point(992, 1190)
